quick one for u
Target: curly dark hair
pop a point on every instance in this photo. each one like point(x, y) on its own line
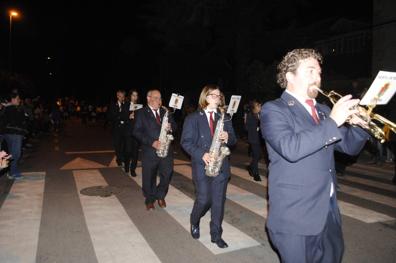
point(291, 61)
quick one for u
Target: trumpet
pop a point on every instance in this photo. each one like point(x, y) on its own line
point(375, 122)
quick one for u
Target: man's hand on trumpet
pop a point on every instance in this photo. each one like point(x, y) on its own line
point(357, 120)
point(344, 109)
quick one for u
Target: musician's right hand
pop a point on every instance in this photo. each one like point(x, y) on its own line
point(132, 115)
point(156, 145)
point(206, 158)
point(343, 109)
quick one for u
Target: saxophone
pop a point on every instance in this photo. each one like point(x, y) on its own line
point(218, 151)
point(165, 138)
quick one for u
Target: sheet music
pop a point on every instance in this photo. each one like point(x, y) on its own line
point(176, 101)
point(381, 90)
point(234, 104)
point(133, 107)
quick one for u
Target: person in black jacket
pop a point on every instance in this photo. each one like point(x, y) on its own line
point(131, 143)
point(14, 129)
point(118, 116)
point(254, 138)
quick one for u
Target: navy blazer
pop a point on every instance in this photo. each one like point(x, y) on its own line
point(146, 129)
point(196, 140)
point(301, 168)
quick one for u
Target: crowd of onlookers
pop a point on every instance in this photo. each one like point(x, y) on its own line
point(24, 119)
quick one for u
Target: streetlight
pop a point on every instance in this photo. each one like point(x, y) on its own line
point(12, 13)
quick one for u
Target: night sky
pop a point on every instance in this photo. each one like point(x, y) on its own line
point(97, 47)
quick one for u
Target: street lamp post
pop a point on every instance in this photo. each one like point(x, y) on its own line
point(11, 14)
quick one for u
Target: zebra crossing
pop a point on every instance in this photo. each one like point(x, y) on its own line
point(116, 237)
point(20, 217)
point(106, 218)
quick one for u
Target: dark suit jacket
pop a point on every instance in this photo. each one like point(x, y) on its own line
point(146, 128)
point(252, 123)
point(196, 141)
point(118, 118)
point(301, 165)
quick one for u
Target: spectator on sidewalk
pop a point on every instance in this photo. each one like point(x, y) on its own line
point(15, 123)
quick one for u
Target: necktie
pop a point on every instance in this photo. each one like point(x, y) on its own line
point(211, 123)
point(157, 117)
point(313, 110)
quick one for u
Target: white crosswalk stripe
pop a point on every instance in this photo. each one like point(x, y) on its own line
point(371, 168)
point(361, 213)
point(179, 207)
point(114, 236)
point(389, 201)
point(369, 182)
point(20, 218)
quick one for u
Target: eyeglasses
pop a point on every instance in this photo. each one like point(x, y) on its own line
point(214, 95)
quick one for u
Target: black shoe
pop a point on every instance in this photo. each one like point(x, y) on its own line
point(133, 173)
point(195, 231)
point(257, 177)
point(126, 168)
point(249, 170)
point(220, 243)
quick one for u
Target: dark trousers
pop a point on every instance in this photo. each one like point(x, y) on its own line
point(256, 155)
point(210, 194)
point(14, 145)
point(118, 134)
point(151, 166)
point(326, 247)
point(131, 151)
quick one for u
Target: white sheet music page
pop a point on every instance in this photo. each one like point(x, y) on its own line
point(234, 104)
point(176, 101)
point(381, 90)
point(133, 106)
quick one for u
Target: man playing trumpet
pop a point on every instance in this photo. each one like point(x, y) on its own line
point(304, 221)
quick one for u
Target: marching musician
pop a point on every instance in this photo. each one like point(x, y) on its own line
point(304, 222)
point(147, 128)
point(131, 144)
point(196, 139)
point(254, 138)
point(118, 116)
